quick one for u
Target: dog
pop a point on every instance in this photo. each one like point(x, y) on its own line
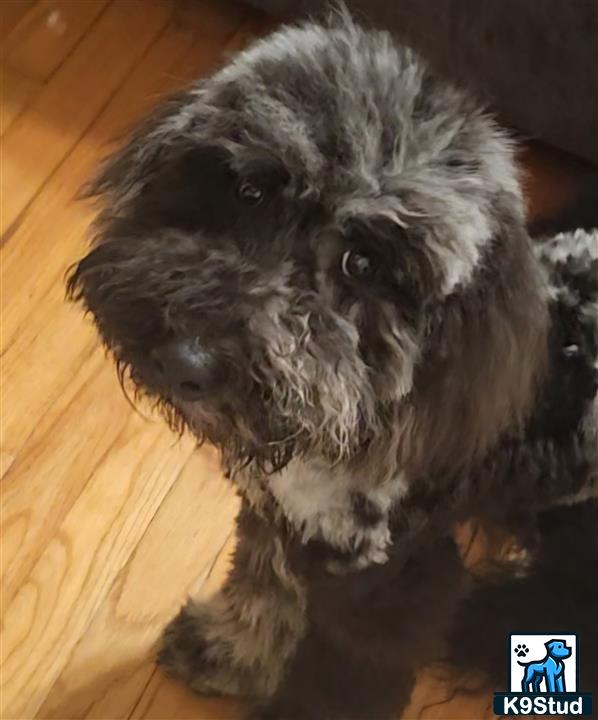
point(551, 669)
point(316, 260)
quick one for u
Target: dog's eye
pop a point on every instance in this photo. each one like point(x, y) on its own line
point(356, 264)
point(249, 193)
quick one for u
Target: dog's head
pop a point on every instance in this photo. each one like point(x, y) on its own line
point(558, 649)
point(279, 248)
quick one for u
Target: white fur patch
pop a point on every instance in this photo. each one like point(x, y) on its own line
point(317, 500)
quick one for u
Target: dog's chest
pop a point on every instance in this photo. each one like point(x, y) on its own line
point(328, 505)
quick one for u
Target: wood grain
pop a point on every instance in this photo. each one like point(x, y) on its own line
point(196, 515)
point(46, 35)
point(16, 93)
point(11, 12)
point(108, 522)
point(40, 139)
point(57, 600)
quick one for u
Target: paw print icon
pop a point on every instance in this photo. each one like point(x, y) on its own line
point(521, 650)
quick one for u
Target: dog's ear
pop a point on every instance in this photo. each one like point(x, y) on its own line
point(135, 162)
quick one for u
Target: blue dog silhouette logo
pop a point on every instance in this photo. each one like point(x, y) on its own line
point(547, 674)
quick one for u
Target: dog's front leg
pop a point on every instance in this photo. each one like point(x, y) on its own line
point(238, 642)
point(367, 634)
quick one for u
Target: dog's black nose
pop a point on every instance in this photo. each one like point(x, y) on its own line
point(188, 369)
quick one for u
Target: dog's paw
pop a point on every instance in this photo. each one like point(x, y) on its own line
point(204, 665)
point(521, 650)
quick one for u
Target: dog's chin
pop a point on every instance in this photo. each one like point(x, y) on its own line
point(245, 430)
point(263, 439)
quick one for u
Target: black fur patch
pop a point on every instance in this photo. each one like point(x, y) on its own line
point(366, 512)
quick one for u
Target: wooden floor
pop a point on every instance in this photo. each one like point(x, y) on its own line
point(108, 522)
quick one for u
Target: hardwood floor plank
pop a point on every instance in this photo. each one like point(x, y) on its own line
point(11, 12)
point(55, 604)
point(38, 141)
point(113, 662)
point(42, 484)
point(47, 34)
point(16, 94)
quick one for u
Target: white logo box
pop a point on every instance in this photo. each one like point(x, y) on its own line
point(535, 644)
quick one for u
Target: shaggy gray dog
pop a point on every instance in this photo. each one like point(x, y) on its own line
point(317, 261)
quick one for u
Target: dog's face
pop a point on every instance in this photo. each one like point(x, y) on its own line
point(274, 244)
